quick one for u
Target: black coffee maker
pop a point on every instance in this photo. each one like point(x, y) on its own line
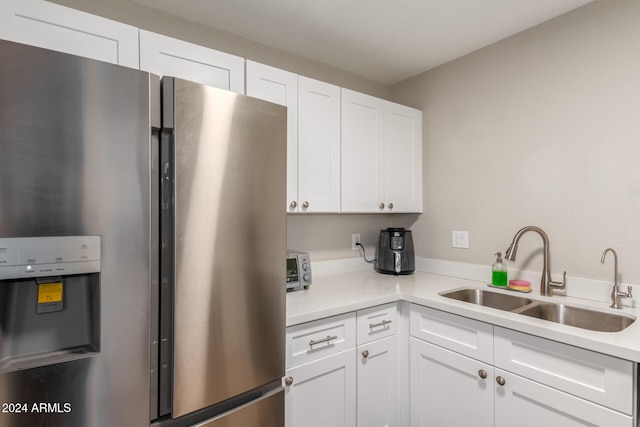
point(395, 253)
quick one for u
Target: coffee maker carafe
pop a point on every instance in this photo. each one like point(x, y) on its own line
point(395, 253)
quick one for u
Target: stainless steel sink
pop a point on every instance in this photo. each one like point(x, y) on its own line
point(584, 318)
point(579, 317)
point(488, 299)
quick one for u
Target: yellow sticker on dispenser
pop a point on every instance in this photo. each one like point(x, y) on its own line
point(49, 292)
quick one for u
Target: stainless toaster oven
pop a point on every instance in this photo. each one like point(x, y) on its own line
point(298, 270)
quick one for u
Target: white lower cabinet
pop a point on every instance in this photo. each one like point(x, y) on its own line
point(332, 381)
point(449, 389)
point(377, 380)
point(529, 381)
point(525, 403)
point(322, 393)
point(351, 370)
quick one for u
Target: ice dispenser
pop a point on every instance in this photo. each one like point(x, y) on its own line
point(49, 300)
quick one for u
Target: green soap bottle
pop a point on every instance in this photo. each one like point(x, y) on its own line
point(499, 272)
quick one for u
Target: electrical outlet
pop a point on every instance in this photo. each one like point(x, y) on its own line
point(355, 239)
point(460, 239)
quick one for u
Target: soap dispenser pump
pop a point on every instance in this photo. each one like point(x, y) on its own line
point(499, 272)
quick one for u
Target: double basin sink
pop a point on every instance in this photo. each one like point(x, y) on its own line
point(578, 317)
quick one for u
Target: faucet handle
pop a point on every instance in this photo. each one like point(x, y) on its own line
point(559, 285)
point(628, 292)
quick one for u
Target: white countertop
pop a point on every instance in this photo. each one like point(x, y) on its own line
point(335, 294)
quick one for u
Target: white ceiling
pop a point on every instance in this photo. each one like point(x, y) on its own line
point(386, 41)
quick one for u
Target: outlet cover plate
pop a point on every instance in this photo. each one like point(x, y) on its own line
point(460, 239)
point(355, 238)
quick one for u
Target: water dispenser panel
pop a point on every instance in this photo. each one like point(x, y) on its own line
point(24, 257)
point(49, 300)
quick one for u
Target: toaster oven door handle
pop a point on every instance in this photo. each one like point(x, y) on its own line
point(328, 339)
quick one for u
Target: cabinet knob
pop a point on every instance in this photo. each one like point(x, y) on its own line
point(293, 204)
point(288, 381)
point(390, 205)
point(305, 205)
point(365, 354)
point(482, 373)
point(381, 206)
point(501, 381)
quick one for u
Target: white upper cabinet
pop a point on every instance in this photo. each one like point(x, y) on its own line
point(166, 56)
point(313, 146)
point(362, 152)
point(51, 26)
point(402, 158)
point(281, 87)
point(318, 146)
point(381, 155)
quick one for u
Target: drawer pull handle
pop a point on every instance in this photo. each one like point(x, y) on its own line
point(328, 339)
point(482, 373)
point(500, 381)
point(375, 325)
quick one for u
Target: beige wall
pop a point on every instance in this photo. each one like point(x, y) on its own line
point(328, 237)
point(540, 129)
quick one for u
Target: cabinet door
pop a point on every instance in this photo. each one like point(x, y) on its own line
point(599, 378)
point(403, 158)
point(362, 152)
point(166, 56)
point(378, 383)
point(448, 389)
point(318, 146)
point(525, 403)
point(322, 393)
point(51, 26)
point(281, 87)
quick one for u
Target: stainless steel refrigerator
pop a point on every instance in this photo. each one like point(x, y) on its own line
point(223, 236)
point(97, 306)
point(76, 248)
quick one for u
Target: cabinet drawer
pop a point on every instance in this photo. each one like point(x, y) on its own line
point(599, 378)
point(376, 322)
point(315, 340)
point(460, 334)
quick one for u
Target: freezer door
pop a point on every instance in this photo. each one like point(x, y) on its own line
point(74, 161)
point(266, 412)
point(229, 245)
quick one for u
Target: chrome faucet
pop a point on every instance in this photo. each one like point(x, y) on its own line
point(546, 284)
point(616, 294)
